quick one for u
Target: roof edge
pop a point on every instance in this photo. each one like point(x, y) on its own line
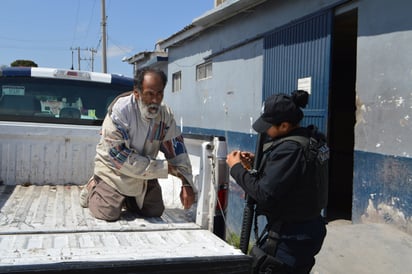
point(212, 17)
point(225, 11)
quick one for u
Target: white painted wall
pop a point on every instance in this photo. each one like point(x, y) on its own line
point(384, 78)
point(230, 100)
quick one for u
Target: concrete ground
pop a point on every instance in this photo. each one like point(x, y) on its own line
point(364, 248)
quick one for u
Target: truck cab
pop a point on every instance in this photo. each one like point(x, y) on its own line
point(46, 95)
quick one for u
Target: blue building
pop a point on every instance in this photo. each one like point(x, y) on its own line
point(355, 59)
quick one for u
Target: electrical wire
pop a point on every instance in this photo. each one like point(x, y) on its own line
point(76, 22)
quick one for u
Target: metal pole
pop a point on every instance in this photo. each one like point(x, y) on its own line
point(93, 51)
point(78, 58)
point(72, 68)
point(104, 61)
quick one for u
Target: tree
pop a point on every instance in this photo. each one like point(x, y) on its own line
point(23, 63)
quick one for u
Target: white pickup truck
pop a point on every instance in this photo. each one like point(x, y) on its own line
point(49, 127)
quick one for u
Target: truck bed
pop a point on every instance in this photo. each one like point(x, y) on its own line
point(45, 228)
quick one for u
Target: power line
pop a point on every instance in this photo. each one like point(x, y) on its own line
point(76, 20)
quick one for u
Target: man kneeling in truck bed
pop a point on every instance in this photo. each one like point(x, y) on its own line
point(136, 127)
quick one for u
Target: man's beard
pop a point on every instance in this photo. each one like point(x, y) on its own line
point(149, 111)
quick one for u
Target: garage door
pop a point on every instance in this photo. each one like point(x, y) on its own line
point(297, 56)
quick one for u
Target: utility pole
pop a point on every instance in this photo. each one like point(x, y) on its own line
point(104, 58)
point(78, 49)
point(93, 51)
point(79, 59)
point(72, 68)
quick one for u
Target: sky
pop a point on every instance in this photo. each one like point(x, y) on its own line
point(49, 32)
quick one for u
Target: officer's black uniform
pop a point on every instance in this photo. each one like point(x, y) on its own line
point(283, 193)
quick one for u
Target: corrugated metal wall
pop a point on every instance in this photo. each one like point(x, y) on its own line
point(301, 50)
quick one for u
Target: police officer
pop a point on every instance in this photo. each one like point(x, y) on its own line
point(282, 190)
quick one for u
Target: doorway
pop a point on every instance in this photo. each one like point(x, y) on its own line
point(342, 109)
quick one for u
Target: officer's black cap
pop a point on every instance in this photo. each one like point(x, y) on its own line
point(278, 108)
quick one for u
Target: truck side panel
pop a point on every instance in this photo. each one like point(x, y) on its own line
point(46, 153)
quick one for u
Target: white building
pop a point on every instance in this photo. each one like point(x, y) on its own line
point(353, 56)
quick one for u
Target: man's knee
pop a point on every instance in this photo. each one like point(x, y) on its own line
point(101, 209)
point(149, 209)
point(153, 205)
point(105, 203)
point(153, 211)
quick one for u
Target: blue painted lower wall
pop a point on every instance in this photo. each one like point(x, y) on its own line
point(382, 189)
point(382, 185)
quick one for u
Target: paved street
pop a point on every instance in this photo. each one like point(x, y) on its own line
point(364, 248)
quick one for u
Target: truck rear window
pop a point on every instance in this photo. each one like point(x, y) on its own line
point(50, 100)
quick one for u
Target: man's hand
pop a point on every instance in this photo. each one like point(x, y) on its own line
point(187, 196)
point(172, 170)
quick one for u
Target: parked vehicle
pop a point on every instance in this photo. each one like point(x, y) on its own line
point(49, 127)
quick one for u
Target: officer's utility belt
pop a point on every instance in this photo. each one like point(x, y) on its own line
point(263, 252)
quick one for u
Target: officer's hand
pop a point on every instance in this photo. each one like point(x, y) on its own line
point(233, 158)
point(247, 159)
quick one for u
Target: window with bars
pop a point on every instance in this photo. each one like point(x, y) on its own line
point(204, 71)
point(177, 81)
